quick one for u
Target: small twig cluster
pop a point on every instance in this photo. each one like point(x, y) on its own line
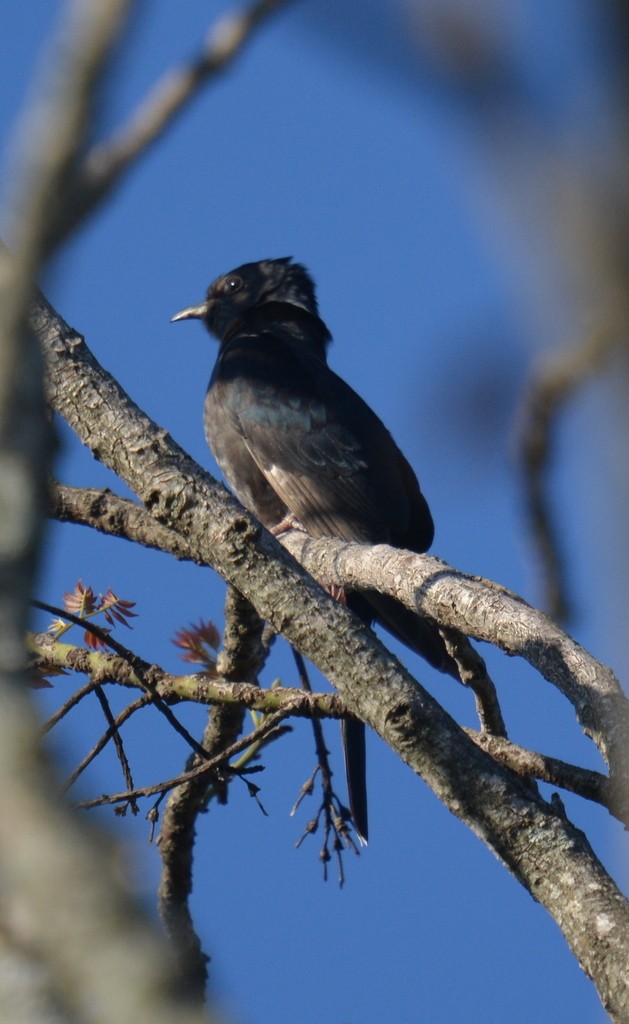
point(336, 817)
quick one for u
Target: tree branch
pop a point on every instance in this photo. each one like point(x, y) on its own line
point(543, 850)
point(588, 784)
point(42, 199)
point(100, 745)
point(296, 703)
point(488, 612)
point(102, 667)
point(118, 517)
point(473, 673)
point(242, 657)
point(469, 604)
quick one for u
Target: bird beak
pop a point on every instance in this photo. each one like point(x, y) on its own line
point(191, 313)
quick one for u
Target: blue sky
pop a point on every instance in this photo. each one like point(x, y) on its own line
point(417, 200)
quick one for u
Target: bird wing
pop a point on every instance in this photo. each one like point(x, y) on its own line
point(324, 453)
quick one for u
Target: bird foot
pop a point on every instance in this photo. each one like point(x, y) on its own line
point(289, 522)
point(337, 592)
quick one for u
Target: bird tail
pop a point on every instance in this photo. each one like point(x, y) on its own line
point(353, 737)
point(421, 635)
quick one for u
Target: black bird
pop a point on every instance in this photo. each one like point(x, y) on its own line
point(297, 445)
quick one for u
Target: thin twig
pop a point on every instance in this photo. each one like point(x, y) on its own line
point(335, 815)
point(120, 751)
point(139, 667)
point(124, 716)
point(72, 702)
point(267, 727)
point(473, 673)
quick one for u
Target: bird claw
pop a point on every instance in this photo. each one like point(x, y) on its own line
point(289, 522)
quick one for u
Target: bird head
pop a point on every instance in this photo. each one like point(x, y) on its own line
point(253, 286)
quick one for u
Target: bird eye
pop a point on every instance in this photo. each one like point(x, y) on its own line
point(233, 284)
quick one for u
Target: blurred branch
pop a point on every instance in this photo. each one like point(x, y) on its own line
point(105, 165)
point(62, 883)
point(50, 137)
point(552, 384)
